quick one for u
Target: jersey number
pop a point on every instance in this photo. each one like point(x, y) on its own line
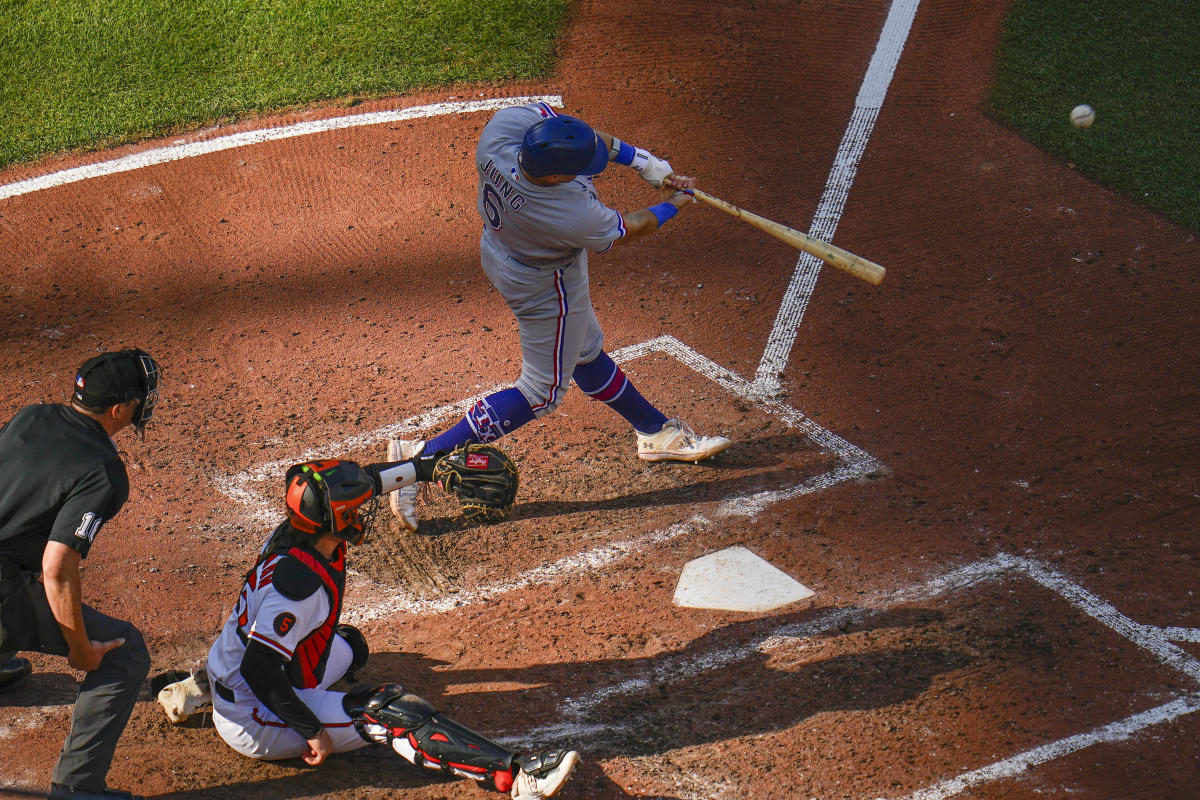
point(88, 526)
point(491, 206)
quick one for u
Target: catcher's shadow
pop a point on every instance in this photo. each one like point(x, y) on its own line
point(677, 702)
point(699, 695)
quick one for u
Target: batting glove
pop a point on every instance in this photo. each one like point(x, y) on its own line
point(653, 170)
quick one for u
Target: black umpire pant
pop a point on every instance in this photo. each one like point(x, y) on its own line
point(107, 694)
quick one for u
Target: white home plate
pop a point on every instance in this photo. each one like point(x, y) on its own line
point(735, 579)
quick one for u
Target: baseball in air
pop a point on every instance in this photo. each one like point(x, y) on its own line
point(1082, 116)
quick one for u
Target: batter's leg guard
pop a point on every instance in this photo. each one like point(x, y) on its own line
point(417, 731)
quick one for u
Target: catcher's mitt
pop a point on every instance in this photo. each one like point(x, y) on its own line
point(483, 478)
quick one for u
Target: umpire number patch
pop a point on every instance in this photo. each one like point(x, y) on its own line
point(88, 526)
point(284, 622)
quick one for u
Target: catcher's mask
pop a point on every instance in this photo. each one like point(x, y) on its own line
point(112, 378)
point(331, 496)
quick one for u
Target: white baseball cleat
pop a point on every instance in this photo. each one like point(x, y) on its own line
point(547, 772)
point(678, 442)
point(185, 697)
point(403, 502)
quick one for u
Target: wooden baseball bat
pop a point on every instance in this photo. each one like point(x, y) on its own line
point(831, 254)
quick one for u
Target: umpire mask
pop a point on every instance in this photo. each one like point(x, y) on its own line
point(112, 378)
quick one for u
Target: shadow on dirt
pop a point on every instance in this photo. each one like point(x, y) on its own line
point(742, 679)
point(769, 457)
point(739, 680)
point(42, 689)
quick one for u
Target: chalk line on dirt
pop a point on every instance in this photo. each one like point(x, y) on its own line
point(1010, 767)
point(867, 105)
point(1181, 634)
point(855, 462)
point(577, 727)
point(176, 152)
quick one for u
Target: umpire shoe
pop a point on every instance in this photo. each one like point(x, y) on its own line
point(13, 671)
point(403, 502)
point(59, 791)
point(543, 774)
point(678, 442)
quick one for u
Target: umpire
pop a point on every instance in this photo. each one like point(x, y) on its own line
point(62, 480)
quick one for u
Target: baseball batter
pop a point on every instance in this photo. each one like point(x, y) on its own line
point(541, 215)
point(282, 647)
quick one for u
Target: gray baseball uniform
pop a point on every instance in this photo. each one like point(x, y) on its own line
point(534, 250)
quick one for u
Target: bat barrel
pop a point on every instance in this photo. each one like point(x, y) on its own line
point(831, 254)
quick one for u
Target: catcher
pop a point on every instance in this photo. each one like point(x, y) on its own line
point(282, 647)
point(482, 477)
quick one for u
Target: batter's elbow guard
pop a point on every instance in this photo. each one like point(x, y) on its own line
point(418, 732)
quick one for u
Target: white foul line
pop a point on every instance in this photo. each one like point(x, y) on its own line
point(162, 155)
point(837, 188)
point(1113, 732)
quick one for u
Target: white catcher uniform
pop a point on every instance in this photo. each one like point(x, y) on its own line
point(534, 249)
point(274, 615)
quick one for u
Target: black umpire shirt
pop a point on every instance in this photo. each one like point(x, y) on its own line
point(61, 478)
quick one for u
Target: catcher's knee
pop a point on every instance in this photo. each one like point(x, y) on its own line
point(358, 648)
point(417, 731)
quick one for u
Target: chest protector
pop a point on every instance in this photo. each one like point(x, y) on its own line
point(307, 667)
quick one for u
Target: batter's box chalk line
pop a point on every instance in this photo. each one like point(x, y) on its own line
point(853, 464)
point(579, 727)
point(181, 150)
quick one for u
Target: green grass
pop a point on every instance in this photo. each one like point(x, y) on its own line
point(79, 74)
point(1137, 62)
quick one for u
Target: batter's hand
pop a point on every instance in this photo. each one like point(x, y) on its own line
point(654, 170)
point(318, 749)
point(681, 182)
point(90, 657)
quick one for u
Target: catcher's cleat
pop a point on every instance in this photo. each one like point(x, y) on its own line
point(677, 442)
point(403, 502)
point(184, 696)
point(543, 774)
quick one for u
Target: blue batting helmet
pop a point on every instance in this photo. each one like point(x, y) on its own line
point(562, 145)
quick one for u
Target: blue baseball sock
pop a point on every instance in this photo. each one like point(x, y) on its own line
point(495, 415)
point(601, 379)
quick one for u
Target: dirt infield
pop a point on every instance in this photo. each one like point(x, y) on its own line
point(985, 467)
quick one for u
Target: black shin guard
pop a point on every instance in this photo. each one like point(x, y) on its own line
point(418, 732)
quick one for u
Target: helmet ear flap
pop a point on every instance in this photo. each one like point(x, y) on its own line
point(306, 504)
point(329, 497)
